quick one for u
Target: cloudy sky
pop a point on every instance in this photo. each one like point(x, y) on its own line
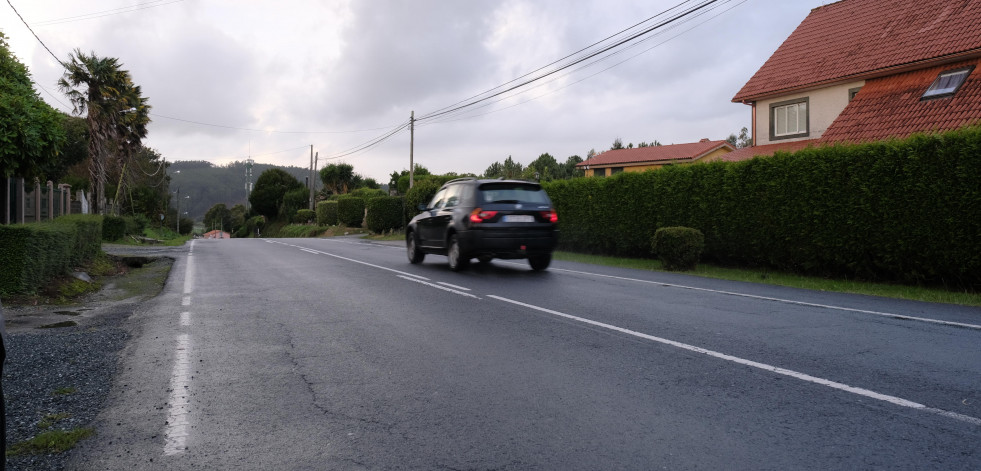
point(232, 78)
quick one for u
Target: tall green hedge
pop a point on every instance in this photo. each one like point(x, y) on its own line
point(385, 213)
point(327, 213)
point(350, 211)
point(88, 236)
point(904, 210)
point(31, 254)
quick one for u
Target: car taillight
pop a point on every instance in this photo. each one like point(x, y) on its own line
point(551, 216)
point(478, 215)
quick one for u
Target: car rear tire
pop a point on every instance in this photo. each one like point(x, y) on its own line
point(412, 248)
point(484, 259)
point(454, 254)
point(540, 262)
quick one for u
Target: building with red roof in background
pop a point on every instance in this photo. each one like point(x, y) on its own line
point(867, 70)
point(652, 157)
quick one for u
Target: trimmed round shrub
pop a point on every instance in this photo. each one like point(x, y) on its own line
point(678, 247)
point(304, 216)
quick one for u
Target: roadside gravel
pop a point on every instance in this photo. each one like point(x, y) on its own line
point(62, 377)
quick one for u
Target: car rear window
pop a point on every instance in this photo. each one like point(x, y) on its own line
point(512, 193)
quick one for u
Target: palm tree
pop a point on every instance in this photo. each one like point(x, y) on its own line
point(337, 178)
point(116, 113)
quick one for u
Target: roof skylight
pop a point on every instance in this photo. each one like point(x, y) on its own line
point(947, 83)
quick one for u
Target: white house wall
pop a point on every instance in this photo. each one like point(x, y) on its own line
point(824, 106)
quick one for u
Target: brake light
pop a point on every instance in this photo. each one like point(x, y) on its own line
point(478, 215)
point(551, 216)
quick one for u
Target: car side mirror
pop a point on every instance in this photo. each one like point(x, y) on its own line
point(422, 207)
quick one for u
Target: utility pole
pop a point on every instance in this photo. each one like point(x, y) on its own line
point(310, 182)
point(178, 211)
point(412, 143)
point(248, 182)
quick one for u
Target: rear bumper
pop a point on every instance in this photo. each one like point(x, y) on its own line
point(509, 243)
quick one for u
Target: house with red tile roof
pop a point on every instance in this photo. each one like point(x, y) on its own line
point(866, 70)
point(653, 157)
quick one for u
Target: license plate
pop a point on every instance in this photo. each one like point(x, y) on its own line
point(519, 218)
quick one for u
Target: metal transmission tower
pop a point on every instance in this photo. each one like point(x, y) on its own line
point(248, 182)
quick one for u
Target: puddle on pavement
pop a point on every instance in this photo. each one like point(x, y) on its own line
point(57, 325)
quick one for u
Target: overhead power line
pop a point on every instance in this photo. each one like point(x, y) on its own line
point(369, 144)
point(104, 13)
point(601, 41)
point(458, 117)
point(35, 34)
point(619, 43)
point(490, 94)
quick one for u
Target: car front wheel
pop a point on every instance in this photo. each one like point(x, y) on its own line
point(457, 260)
point(412, 248)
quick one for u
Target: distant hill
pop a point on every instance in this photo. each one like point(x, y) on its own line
point(208, 184)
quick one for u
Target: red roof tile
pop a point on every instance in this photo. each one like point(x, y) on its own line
point(747, 153)
point(656, 154)
point(859, 39)
point(891, 106)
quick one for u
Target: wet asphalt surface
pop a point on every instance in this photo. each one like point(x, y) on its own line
point(338, 354)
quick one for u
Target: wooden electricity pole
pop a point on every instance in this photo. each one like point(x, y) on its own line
point(310, 178)
point(412, 138)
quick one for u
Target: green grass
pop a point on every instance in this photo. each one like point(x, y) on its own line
point(918, 293)
point(52, 441)
point(391, 235)
point(64, 391)
point(300, 230)
point(49, 420)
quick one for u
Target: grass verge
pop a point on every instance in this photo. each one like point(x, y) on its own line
point(391, 235)
point(917, 293)
point(52, 441)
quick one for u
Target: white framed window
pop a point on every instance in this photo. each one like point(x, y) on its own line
point(947, 83)
point(789, 119)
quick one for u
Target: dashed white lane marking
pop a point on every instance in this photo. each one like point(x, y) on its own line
point(177, 419)
point(453, 286)
point(318, 252)
point(189, 273)
point(763, 366)
point(781, 300)
point(186, 301)
point(437, 286)
point(185, 319)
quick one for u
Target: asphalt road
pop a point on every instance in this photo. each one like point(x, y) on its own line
point(338, 354)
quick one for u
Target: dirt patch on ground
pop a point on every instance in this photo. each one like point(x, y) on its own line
point(136, 279)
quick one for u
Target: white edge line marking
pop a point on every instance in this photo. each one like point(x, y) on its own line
point(788, 301)
point(177, 423)
point(434, 285)
point(453, 286)
point(363, 263)
point(763, 366)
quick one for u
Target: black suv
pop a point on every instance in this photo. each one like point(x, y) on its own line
point(485, 219)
